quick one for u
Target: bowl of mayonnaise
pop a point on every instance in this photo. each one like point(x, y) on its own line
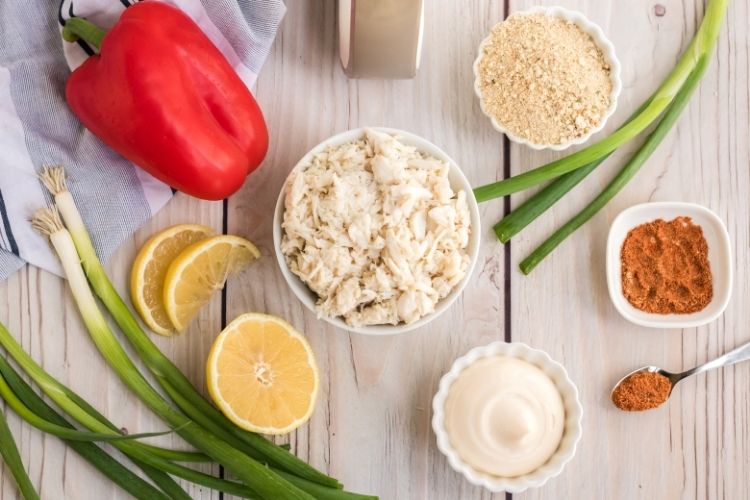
point(507, 417)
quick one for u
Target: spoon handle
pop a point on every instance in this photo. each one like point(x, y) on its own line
point(741, 353)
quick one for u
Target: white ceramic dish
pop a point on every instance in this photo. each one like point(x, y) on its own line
point(458, 181)
point(719, 257)
point(608, 50)
point(573, 416)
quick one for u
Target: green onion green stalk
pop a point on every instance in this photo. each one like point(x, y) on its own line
point(528, 211)
point(626, 173)
point(668, 100)
point(114, 470)
point(172, 380)
point(536, 205)
point(9, 452)
point(27, 396)
point(58, 430)
point(35, 411)
point(154, 466)
point(110, 467)
point(62, 397)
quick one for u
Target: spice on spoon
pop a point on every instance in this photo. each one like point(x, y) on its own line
point(665, 267)
point(642, 391)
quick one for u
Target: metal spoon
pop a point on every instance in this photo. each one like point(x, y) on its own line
point(741, 353)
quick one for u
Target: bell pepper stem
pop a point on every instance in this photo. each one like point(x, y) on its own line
point(77, 28)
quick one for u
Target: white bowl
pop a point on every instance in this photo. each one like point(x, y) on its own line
point(719, 257)
point(458, 181)
point(571, 433)
point(601, 41)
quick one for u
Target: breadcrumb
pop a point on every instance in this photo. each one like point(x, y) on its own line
point(544, 79)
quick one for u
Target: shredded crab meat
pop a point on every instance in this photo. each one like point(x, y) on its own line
point(374, 228)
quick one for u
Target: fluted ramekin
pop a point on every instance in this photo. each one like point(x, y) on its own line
point(601, 41)
point(572, 430)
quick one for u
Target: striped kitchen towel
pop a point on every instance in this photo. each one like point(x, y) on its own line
point(38, 129)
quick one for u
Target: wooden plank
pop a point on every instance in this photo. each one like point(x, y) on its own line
point(371, 428)
point(697, 446)
point(372, 425)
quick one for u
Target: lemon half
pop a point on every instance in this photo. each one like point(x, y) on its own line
point(262, 374)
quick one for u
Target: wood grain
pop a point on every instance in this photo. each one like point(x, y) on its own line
point(372, 425)
point(696, 446)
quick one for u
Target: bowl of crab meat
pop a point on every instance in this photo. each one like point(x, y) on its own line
point(376, 230)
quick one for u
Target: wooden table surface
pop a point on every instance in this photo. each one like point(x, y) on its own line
point(371, 428)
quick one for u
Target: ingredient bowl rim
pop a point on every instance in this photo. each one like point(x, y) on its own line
point(306, 296)
point(572, 433)
point(601, 41)
point(650, 211)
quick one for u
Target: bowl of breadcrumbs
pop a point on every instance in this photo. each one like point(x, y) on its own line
point(547, 77)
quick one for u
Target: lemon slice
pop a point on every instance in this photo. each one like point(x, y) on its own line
point(262, 374)
point(200, 270)
point(150, 268)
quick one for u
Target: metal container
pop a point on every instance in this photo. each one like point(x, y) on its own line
point(380, 38)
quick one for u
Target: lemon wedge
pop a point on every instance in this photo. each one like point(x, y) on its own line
point(200, 270)
point(150, 268)
point(262, 374)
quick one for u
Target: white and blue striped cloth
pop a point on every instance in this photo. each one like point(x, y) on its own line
point(38, 129)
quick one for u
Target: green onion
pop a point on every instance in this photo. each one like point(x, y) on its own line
point(320, 492)
point(266, 483)
point(627, 172)
point(134, 450)
point(139, 453)
point(175, 455)
point(536, 205)
point(71, 435)
point(168, 485)
point(167, 374)
point(528, 211)
point(57, 392)
point(12, 458)
point(107, 465)
point(154, 466)
point(58, 430)
point(702, 43)
point(10, 376)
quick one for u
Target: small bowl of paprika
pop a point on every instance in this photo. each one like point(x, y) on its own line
point(669, 265)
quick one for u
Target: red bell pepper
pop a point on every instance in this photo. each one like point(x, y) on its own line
point(162, 95)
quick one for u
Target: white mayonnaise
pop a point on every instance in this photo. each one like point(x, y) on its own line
point(504, 416)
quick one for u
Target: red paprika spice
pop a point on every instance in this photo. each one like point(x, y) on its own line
point(642, 391)
point(665, 267)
